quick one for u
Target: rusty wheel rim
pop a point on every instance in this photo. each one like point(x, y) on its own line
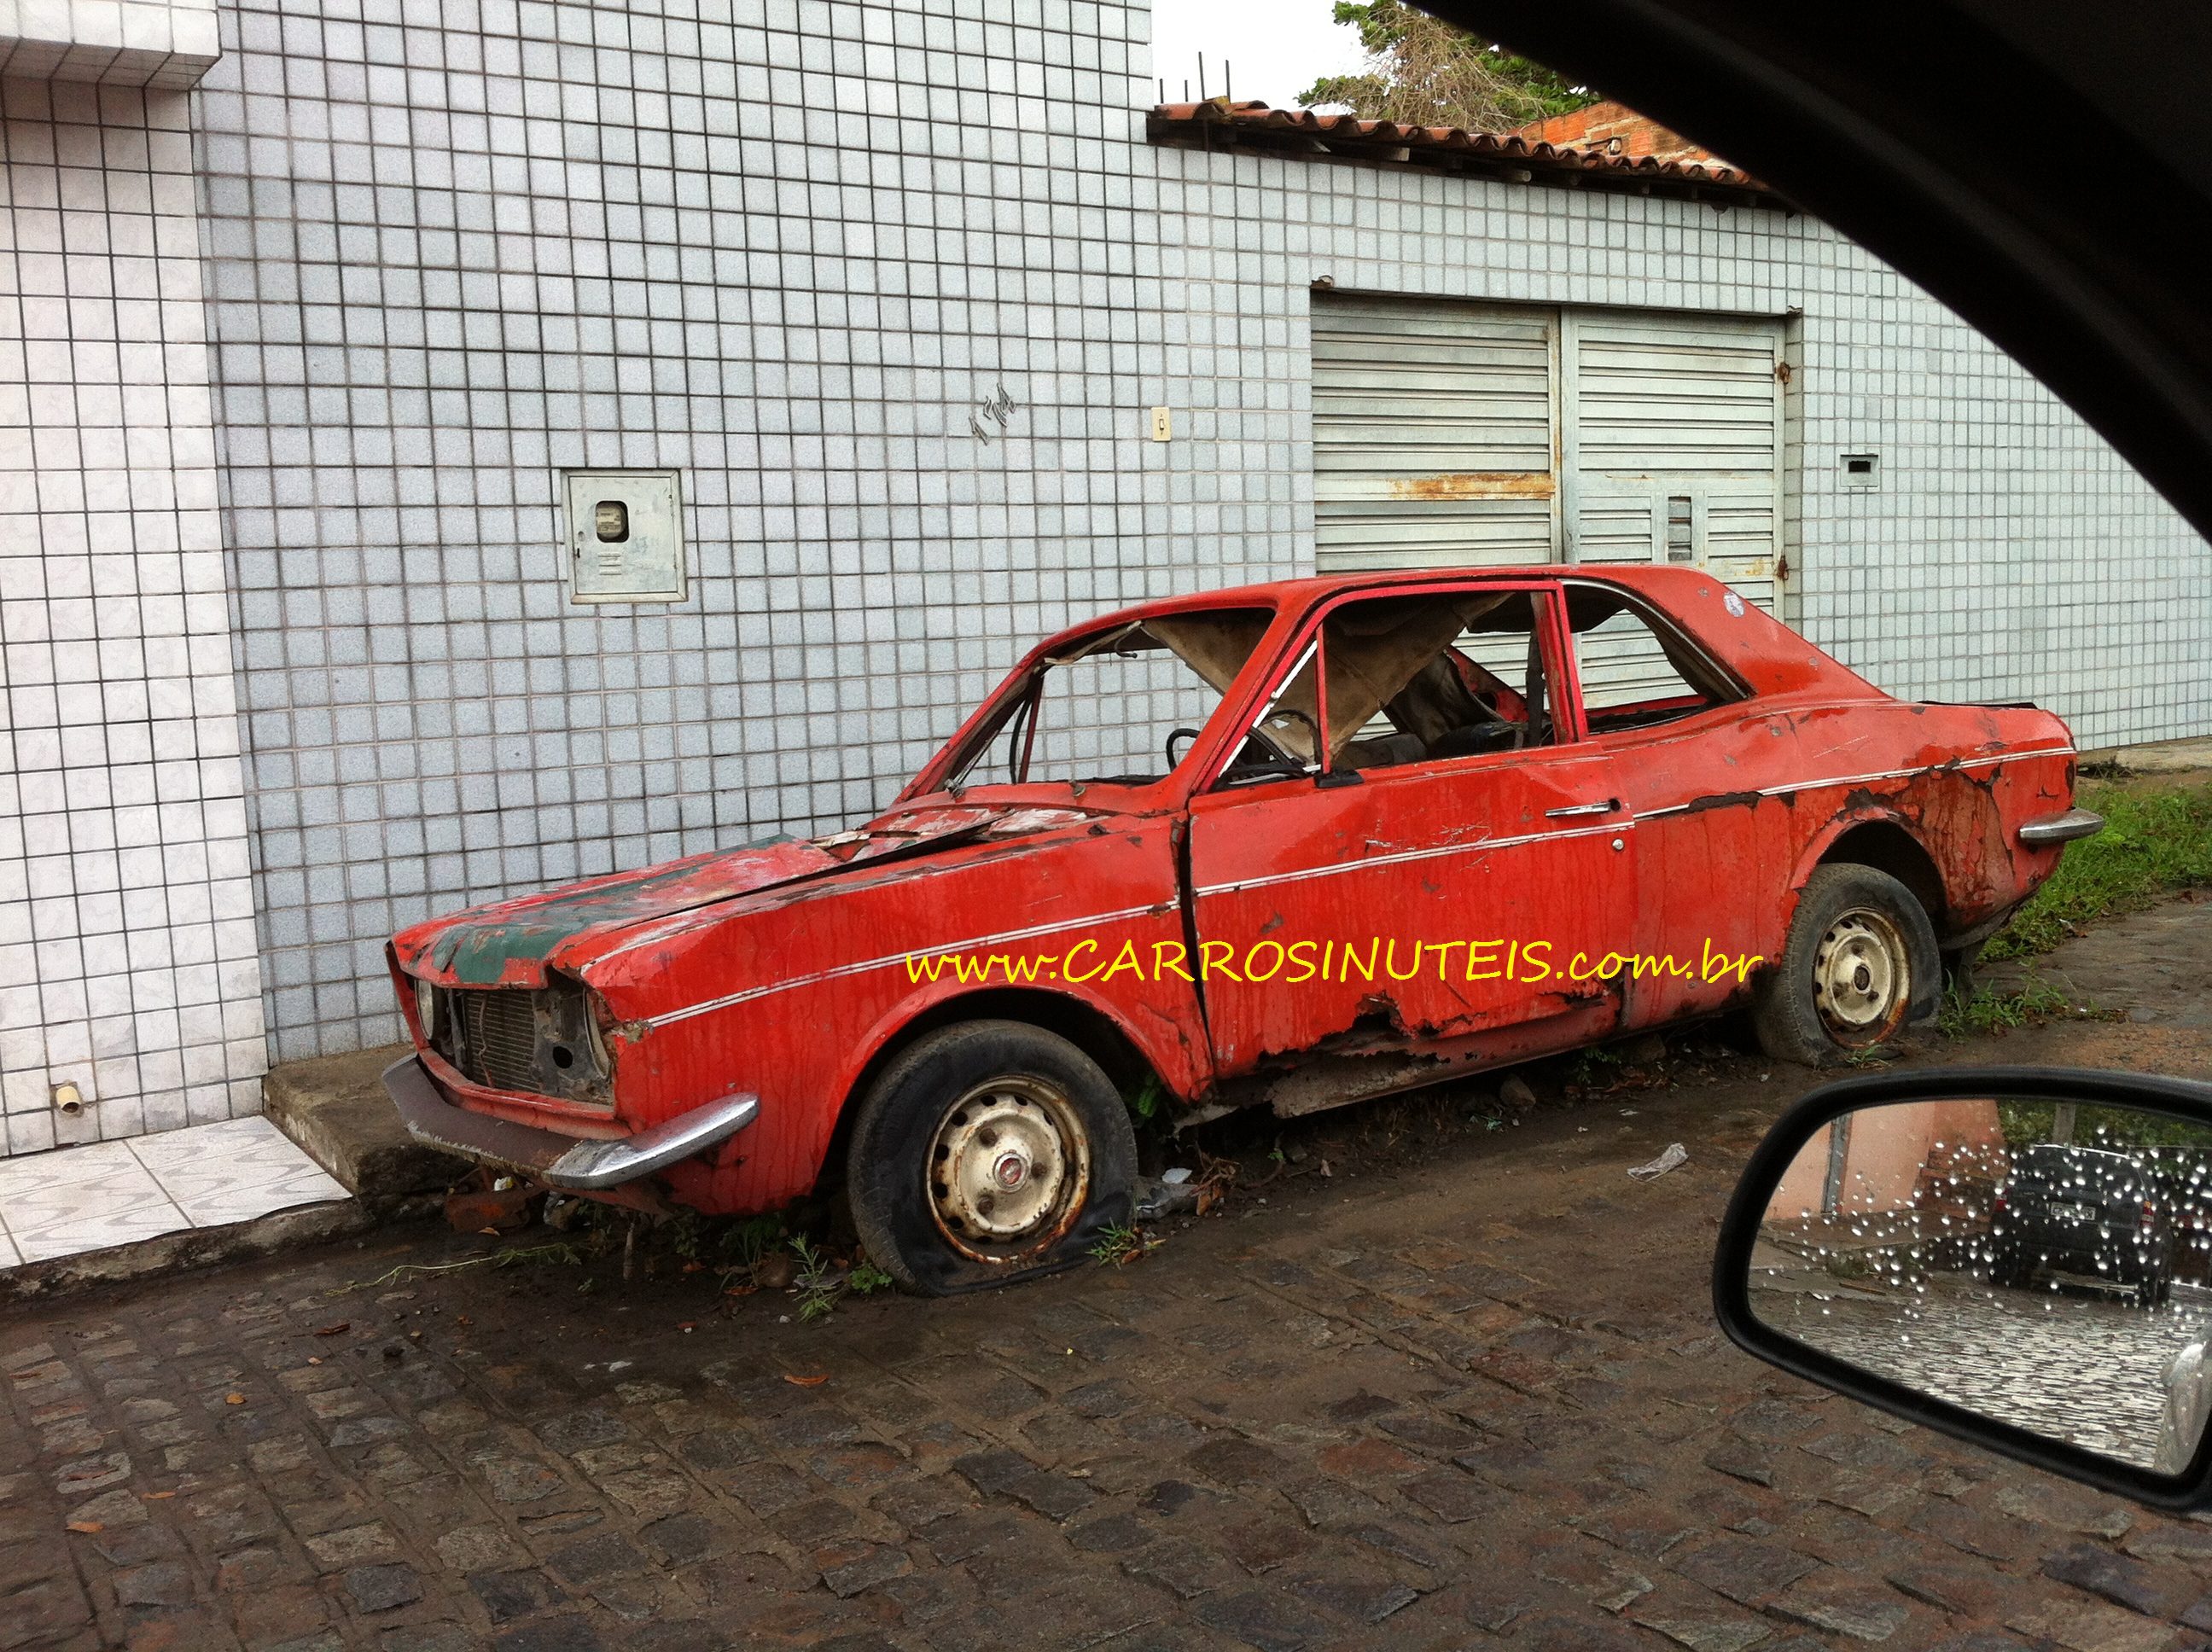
point(1009, 1165)
point(1862, 975)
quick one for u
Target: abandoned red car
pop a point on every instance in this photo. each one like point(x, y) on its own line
point(1293, 845)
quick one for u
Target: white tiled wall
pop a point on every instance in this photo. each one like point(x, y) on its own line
point(164, 43)
point(128, 962)
point(789, 249)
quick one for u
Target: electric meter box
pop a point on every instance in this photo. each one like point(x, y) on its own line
point(625, 539)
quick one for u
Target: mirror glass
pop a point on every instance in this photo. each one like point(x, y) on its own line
point(2039, 1262)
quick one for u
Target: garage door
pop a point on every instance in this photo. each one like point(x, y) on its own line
point(1450, 434)
point(1435, 436)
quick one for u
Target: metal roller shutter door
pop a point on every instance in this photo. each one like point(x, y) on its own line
point(1451, 434)
point(1434, 441)
point(1672, 454)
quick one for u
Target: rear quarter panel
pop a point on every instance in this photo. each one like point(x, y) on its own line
point(1960, 779)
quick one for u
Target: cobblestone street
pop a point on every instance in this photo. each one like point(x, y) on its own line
point(1476, 1402)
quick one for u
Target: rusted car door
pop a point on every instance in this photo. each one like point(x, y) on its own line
point(1416, 900)
point(1707, 773)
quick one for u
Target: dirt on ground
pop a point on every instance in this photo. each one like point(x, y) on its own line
point(1434, 1373)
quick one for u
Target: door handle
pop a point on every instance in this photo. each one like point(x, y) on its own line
point(1605, 808)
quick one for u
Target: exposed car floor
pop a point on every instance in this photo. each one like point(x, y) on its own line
point(1478, 1398)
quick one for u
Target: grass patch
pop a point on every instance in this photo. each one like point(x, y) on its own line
point(2154, 843)
point(1986, 1009)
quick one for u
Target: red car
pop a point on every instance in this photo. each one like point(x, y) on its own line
point(1292, 845)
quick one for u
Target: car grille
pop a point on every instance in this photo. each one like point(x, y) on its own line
point(498, 1045)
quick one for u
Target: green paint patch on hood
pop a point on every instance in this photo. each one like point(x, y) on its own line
point(479, 954)
point(512, 941)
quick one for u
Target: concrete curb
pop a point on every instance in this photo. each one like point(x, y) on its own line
point(190, 1248)
point(336, 1109)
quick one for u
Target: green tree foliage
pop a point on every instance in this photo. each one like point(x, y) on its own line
point(1422, 72)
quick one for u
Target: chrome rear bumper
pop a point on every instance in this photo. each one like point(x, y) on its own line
point(559, 1161)
point(2042, 833)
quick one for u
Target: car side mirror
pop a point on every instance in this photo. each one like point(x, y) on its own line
point(2020, 1257)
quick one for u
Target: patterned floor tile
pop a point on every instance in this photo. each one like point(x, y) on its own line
point(234, 1171)
point(101, 1232)
point(304, 1183)
point(102, 1191)
point(206, 1142)
point(62, 1166)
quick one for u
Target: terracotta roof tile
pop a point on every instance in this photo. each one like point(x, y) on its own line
point(1218, 123)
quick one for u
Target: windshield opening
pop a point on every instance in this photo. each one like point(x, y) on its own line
point(1122, 707)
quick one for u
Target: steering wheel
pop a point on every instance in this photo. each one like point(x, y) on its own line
point(1274, 759)
point(1259, 729)
point(1174, 735)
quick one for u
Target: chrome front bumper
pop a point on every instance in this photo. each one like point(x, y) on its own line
point(2042, 833)
point(547, 1156)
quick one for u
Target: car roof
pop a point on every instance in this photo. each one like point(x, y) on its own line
point(1766, 656)
point(1297, 595)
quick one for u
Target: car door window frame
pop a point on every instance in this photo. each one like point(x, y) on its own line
point(1309, 642)
point(1663, 627)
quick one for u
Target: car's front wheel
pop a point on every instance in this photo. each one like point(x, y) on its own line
point(985, 1152)
point(1860, 949)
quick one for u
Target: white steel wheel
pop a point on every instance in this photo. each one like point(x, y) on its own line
point(1862, 977)
point(1008, 1165)
point(1859, 964)
point(985, 1151)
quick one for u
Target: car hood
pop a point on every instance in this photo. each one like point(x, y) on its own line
point(511, 943)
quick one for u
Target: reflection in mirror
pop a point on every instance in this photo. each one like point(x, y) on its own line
point(2038, 1263)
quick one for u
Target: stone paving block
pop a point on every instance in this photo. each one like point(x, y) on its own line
point(680, 1539)
point(351, 1545)
point(2090, 1626)
point(1262, 1618)
point(506, 1595)
point(1364, 1600)
point(1747, 1571)
point(382, 1588)
point(479, 1548)
point(1698, 1619)
point(850, 1567)
point(2154, 1591)
point(1844, 1605)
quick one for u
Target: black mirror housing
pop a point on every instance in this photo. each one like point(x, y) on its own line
point(2172, 1107)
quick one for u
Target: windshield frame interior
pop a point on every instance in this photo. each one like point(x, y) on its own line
point(946, 774)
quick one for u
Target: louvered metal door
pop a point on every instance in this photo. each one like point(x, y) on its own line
point(1451, 435)
point(1672, 453)
point(1435, 434)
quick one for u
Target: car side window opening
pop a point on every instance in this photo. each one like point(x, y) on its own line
point(1121, 707)
point(1636, 670)
point(1427, 676)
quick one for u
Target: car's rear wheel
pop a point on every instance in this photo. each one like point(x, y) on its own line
point(986, 1152)
point(1860, 950)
